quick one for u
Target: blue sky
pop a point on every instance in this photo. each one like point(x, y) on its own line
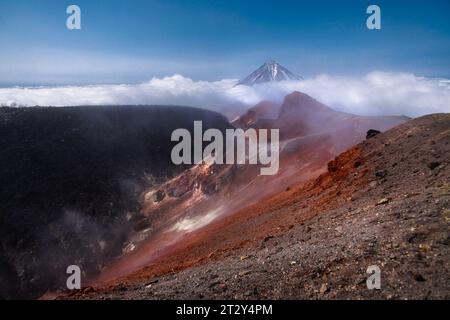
point(135, 40)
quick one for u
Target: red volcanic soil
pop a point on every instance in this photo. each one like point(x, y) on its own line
point(263, 110)
point(178, 209)
point(383, 202)
point(245, 226)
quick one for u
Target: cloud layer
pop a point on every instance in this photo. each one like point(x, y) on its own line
point(376, 93)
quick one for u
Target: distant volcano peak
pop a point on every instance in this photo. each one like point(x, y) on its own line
point(269, 71)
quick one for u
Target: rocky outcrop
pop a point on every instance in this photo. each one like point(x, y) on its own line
point(372, 133)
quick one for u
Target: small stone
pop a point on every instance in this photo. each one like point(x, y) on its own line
point(149, 284)
point(383, 201)
point(419, 278)
point(433, 165)
point(156, 196)
point(381, 173)
point(424, 247)
point(372, 133)
point(323, 288)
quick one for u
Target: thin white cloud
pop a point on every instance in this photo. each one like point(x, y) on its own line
point(374, 94)
point(382, 93)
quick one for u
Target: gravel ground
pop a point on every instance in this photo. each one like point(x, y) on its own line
point(384, 202)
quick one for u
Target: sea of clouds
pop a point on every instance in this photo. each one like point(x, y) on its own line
point(377, 93)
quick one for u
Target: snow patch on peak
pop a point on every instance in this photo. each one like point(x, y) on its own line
point(269, 71)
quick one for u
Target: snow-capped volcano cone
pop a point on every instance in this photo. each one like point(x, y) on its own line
point(269, 71)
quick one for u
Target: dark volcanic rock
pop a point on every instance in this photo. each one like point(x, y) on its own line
point(158, 196)
point(433, 165)
point(372, 133)
point(381, 173)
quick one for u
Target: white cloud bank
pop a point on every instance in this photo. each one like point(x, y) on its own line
point(374, 94)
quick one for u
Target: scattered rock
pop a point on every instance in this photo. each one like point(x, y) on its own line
point(158, 196)
point(223, 286)
point(120, 288)
point(323, 288)
point(213, 284)
point(153, 281)
point(424, 247)
point(381, 173)
point(402, 238)
point(248, 293)
point(209, 188)
point(433, 165)
point(419, 278)
point(383, 201)
point(332, 167)
point(155, 196)
point(372, 133)
point(88, 289)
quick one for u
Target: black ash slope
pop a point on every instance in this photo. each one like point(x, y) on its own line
point(70, 179)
